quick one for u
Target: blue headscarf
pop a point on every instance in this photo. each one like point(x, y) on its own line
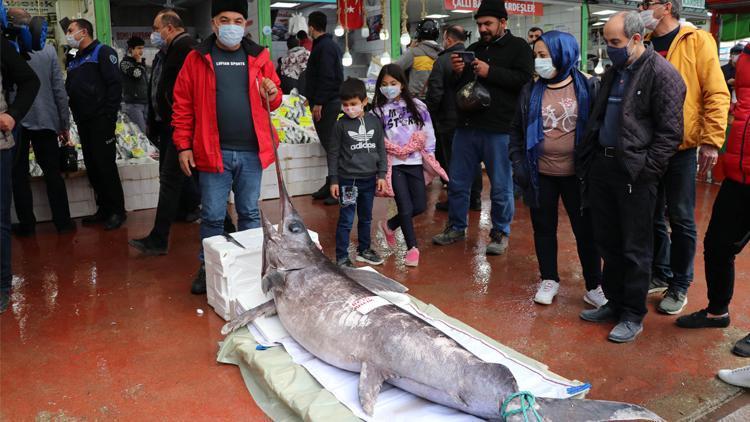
point(563, 50)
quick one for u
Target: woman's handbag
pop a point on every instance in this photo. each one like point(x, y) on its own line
point(473, 97)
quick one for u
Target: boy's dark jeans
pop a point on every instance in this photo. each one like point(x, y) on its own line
point(365, 199)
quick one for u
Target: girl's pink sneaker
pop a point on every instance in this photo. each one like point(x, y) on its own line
point(412, 257)
point(390, 235)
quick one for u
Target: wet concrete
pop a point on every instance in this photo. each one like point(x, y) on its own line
point(98, 332)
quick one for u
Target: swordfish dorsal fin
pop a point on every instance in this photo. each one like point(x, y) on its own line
point(371, 379)
point(374, 281)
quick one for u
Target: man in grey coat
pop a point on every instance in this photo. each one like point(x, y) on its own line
point(47, 121)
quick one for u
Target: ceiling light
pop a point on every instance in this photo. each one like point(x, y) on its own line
point(598, 24)
point(284, 5)
point(605, 12)
point(405, 39)
point(347, 60)
point(436, 16)
point(462, 11)
point(365, 32)
point(339, 30)
point(327, 6)
point(385, 59)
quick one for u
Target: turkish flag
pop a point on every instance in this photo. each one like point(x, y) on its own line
point(351, 13)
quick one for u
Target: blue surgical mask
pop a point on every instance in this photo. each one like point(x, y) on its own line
point(156, 40)
point(231, 35)
point(619, 56)
point(544, 68)
point(391, 91)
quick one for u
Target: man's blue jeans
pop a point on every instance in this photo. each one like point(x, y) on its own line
point(363, 209)
point(674, 257)
point(6, 164)
point(242, 174)
point(470, 147)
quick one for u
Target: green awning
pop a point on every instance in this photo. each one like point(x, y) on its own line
point(735, 26)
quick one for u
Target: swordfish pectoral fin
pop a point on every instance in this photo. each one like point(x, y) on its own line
point(371, 379)
point(272, 279)
point(374, 282)
point(268, 308)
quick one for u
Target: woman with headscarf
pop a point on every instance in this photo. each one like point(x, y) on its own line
point(550, 122)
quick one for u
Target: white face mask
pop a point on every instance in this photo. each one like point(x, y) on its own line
point(391, 91)
point(72, 41)
point(354, 111)
point(545, 68)
point(648, 19)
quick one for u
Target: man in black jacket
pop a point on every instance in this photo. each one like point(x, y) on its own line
point(503, 64)
point(14, 71)
point(325, 73)
point(135, 83)
point(94, 88)
point(172, 181)
point(634, 128)
point(441, 101)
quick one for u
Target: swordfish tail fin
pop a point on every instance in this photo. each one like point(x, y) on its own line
point(577, 410)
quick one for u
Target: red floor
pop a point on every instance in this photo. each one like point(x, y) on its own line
point(97, 332)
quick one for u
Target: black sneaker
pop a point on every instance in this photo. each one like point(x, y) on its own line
point(606, 313)
point(742, 347)
point(442, 206)
point(322, 193)
point(97, 218)
point(701, 319)
point(331, 201)
point(345, 263)
point(449, 236)
point(148, 246)
point(498, 243)
point(199, 283)
point(625, 331)
point(115, 221)
point(369, 256)
point(23, 230)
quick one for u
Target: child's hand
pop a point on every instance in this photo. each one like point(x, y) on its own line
point(381, 185)
point(335, 191)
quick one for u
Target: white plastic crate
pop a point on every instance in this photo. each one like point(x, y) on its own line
point(232, 271)
point(140, 185)
point(303, 166)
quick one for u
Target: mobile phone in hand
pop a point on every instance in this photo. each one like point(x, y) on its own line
point(467, 56)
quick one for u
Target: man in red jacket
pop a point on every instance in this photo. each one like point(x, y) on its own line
point(729, 229)
point(221, 124)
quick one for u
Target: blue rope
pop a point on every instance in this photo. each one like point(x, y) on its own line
point(527, 401)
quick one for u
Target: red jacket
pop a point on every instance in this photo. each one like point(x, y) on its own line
point(194, 109)
point(737, 157)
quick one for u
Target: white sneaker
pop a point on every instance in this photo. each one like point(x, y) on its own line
point(547, 291)
point(595, 297)
point(739, 377)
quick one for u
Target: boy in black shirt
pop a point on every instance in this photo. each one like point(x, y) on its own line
point(357, 165)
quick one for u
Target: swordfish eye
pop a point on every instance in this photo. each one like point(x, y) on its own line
point(295, 227)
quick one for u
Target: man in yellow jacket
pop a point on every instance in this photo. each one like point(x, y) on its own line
point(694, 54)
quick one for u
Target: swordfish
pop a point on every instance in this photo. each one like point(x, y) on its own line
point(335, 314)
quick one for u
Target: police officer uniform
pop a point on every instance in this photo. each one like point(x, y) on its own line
point(95, 89)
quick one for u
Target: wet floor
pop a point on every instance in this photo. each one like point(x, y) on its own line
point(96, 331)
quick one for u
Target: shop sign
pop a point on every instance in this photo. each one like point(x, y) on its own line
point(513, 7)
point(696, 4)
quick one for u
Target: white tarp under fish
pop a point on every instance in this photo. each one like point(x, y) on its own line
point(393, 404)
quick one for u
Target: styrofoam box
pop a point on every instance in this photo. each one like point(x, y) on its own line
point(303, 166)
point(140, 184)
point(232, 271)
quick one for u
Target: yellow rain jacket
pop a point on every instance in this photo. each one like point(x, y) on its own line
point(695, 56)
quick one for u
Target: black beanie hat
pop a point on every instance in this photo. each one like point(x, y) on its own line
point(239, 6)
point(495, 8)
